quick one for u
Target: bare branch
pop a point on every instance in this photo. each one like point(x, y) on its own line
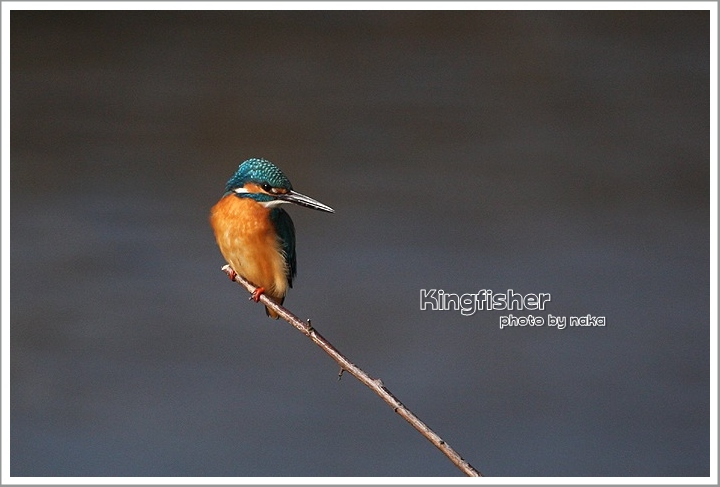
point(375, 384)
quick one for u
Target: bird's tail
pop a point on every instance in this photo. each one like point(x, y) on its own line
point(272, 314)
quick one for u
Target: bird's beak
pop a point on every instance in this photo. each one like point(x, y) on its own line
point(302, 200)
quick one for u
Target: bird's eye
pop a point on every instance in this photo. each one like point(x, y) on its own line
point(267, 188)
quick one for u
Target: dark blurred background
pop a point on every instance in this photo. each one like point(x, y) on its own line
point(556, 152)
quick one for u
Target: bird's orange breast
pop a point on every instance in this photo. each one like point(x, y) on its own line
point(248, 241)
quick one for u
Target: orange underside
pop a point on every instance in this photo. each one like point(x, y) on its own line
point(248, 242)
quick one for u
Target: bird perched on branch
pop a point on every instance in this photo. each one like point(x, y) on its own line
point(255, 235)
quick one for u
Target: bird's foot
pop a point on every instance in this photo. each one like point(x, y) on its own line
point(256, 293)
point(232, 274)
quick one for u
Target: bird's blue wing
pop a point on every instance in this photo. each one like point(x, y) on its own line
point(286, 233)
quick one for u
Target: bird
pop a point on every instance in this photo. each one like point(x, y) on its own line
point(255, 236)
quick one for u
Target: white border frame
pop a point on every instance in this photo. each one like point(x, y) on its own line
point(7, 7)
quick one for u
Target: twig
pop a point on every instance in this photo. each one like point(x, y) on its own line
point(375, 384)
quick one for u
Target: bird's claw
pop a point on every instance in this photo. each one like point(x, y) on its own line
point(256, 293)
point(232, 274)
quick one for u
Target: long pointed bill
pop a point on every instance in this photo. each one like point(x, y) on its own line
point(306, 201)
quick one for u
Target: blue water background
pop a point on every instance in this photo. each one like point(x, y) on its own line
point(555, 152)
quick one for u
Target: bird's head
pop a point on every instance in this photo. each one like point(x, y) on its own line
point(264, 182)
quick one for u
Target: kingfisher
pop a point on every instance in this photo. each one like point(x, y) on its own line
point(257, 237)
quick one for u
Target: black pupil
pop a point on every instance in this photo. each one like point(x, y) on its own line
point(267, 187)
